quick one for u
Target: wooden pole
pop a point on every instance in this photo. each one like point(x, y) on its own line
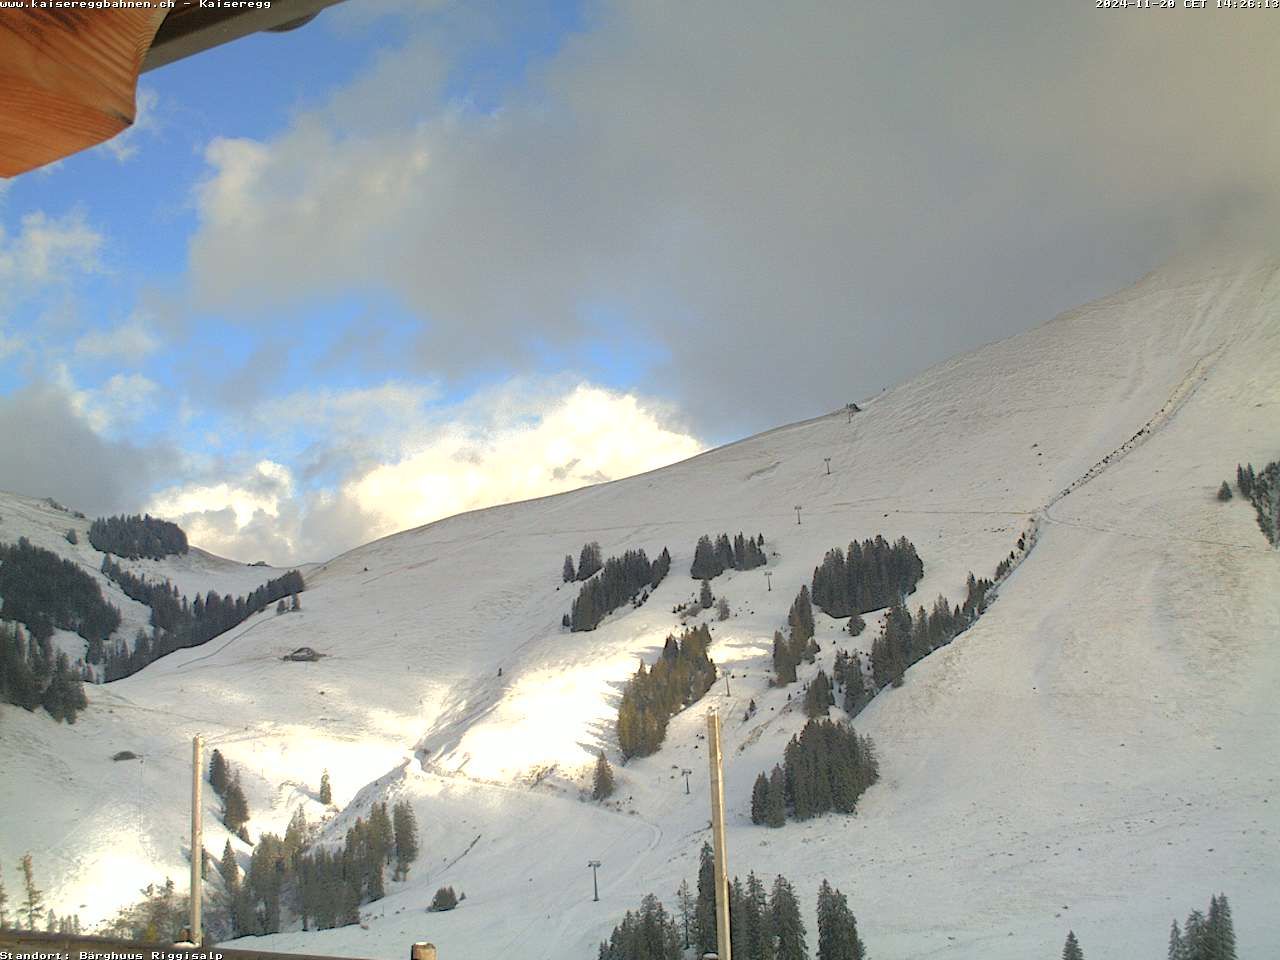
point(197, 842)
point(422, 951)
point(717, 837)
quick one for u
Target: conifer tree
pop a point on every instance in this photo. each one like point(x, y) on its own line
point(1220, 930)
point(33, 902)
point(235, 809)
point(1224, 491)
point(687, 907)
point(775, 809)
point(705, 913)
point(406, 829)
point(1071, 949)
point(326, 791)
point(1177, 946)
point(445, 899)
point(590, 560)
point(217, 772)
point(788, 928)
point(760, 937)
point(818, 700)
point(784, 660)
point(837, 928)
point(759, 798)
point(705, 597)
point(4, 902)
point(568, 573)
point(1195, 935)
point(602, 780)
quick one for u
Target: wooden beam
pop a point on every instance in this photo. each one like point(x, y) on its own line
point(68, 80)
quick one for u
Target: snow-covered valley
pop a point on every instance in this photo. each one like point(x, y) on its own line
point(1100, 752)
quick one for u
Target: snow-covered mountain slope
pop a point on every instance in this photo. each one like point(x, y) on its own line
point(45, 523)
point(1100, 752)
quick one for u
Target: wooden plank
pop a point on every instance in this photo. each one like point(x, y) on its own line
point(68, 80)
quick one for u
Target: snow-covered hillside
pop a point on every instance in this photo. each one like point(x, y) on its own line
point(1100, 752)
point(46, 523)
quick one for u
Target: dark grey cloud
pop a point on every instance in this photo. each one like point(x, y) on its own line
point(50, 451)
point(800, 203)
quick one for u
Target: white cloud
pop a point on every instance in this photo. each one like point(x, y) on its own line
point(584, 437)
point(131, 341)
point(46, 250)
point(806, 218)
point(122, 400)
point(517, 442)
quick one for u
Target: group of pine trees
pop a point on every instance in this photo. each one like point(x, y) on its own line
point(849, 675)
point(798, 644)
point(764, 924)
point(33, 675)
point(712, 559)
point(904, 639)
point(828, 766)
point(590, 560)
point(1211, 937)
point(226, 784)
point(869, 576)
point(178, 624)
point(621, 580)
point(1262, 489)
point(1202, 937)
point(681, 675)
point(44, 592)
point(324, 888)
point(136, 537)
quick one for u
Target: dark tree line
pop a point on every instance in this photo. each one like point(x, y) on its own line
point(44, 592)
point(828, 766)
point(136, 537)
point(1262, 489)
point(680, 677)
point(764, 923)
point(178, 624)
point(798, 644)
point(621, 581)
point(869, 576)
point(324, 888)
point(712, 559)
point(226, 784)
point(32, 675)
point(590, 560)
point(904, 639)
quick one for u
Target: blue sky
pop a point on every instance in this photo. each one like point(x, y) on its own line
point(342, 280)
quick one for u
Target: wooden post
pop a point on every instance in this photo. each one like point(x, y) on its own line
point(197, 842)
point(422, 951)
point(717, 837)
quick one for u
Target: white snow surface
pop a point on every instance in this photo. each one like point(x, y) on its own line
point(1100, 752)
